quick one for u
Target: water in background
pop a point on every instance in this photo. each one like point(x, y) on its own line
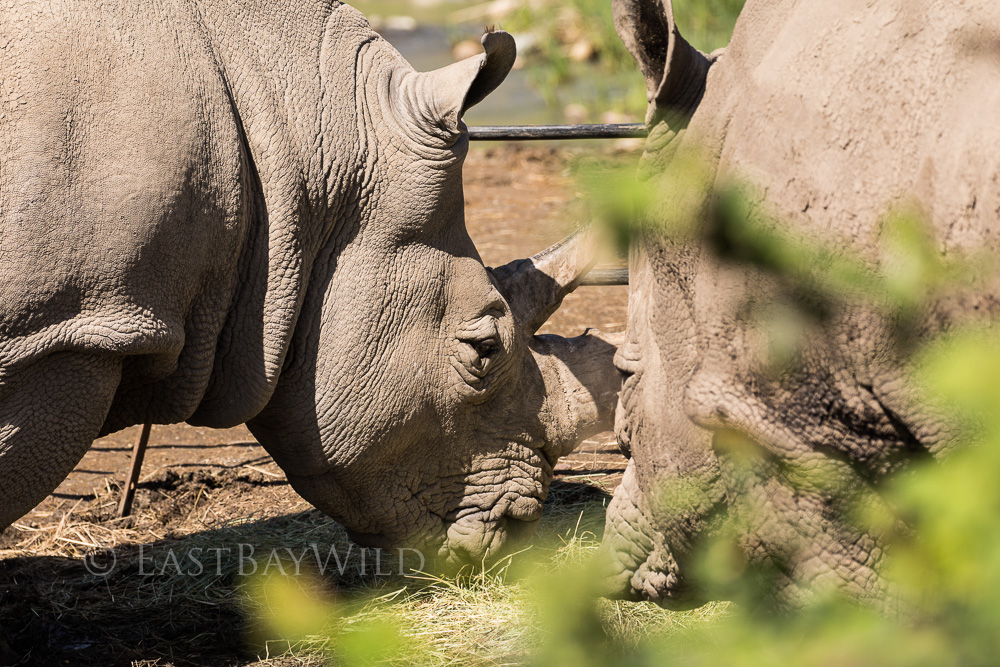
point(424, 31)
point(428, 47)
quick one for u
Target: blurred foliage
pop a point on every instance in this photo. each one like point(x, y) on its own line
point(607, 78)
point(940, 519)
point(707, 24)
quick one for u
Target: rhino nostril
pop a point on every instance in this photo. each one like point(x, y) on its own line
point(627, 359)
point(624, 441)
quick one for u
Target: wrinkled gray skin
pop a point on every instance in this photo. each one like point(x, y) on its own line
point(234, 212)
point(834, 113)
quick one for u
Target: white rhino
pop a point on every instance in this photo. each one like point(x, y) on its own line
point(240, 211)
point(835, 114)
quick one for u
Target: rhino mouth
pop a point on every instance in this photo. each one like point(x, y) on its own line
point(470, 536)
point(635, 557)
point(474, 537)
point(482, 537)
point(492, 512)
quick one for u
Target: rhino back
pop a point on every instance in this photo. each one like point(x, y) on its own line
point(838, 116)
point(122, 197)
point(839, 111)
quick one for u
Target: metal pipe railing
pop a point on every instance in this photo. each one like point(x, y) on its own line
point(528, 132)
point(613, 276)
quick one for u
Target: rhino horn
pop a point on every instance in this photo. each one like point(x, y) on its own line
point(534, 287)
point(437, 100)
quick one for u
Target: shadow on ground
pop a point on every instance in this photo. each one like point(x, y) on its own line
point(182, 600)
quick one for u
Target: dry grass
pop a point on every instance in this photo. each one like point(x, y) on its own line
point(151, 610)
point(498, 615)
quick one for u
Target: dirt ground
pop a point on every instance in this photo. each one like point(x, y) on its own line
point(198, 481)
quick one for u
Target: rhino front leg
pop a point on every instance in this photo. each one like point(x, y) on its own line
point(50, 412)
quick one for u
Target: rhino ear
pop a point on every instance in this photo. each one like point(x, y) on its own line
point(674, 70)
point(437, 100)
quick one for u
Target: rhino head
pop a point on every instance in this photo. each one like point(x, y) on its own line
point(774, 460)
point(724, 450)
point(417, 406)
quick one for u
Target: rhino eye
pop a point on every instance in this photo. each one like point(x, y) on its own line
point(486, 348)
point(479, 347)
point(478, 355)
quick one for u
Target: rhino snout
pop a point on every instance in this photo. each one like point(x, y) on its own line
point(490, 534)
